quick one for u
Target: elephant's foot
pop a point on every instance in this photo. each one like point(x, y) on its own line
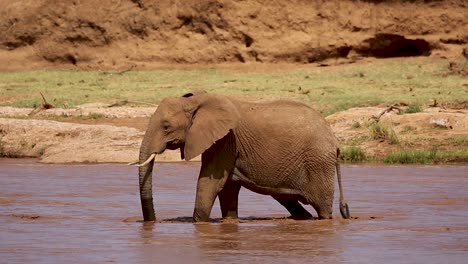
point(230, 214)
point(230, 220)
point(201, 216)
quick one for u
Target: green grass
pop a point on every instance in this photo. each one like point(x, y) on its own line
point(413, 108)
point(353, 154)
point(426, 156)
point(411, 157)
point(329, 89)
point(460, 156)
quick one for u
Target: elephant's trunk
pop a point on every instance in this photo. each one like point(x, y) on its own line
point(146, 185)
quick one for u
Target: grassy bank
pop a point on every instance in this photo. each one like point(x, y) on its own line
point(427, 156)
point(329, 89)
point(405, 156)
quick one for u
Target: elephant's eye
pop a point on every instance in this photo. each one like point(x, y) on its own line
point(166, 127)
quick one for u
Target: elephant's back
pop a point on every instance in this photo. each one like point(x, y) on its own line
point(285, 126)
point(284, 116)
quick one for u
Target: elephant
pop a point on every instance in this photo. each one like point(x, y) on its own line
point(281, 148)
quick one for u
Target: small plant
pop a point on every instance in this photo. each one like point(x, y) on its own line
point(411, 109)
point(353, 154)
point(92, 115)
point(356, 124)
point(41, 150)
point(379, 131)
point(24, 144)
point(442, 127)
point(359, 74)
point(96, 115)
point(2, 151)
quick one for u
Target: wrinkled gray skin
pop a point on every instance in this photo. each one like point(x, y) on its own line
point(284, 149)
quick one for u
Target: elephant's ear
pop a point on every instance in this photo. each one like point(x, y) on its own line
point(212, 119)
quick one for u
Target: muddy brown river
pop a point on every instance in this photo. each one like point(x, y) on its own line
point(91, 214)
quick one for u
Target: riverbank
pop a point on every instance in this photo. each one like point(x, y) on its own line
point(97, 133)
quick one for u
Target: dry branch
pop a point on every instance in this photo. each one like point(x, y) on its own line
point(120, 103)
point(387, 110)
point(127, 70)
point(44, 106)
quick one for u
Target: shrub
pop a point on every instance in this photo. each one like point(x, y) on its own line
point(443, 127)
point(353, 154)
point(95, 115)
point(408, 129)
point(356, 124)
point(379, 131)
point(411, 109)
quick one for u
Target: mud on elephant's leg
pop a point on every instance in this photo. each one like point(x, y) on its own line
point(228, 199)
point(297, 211)
point(207, 189)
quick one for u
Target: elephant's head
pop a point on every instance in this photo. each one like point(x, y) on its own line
point(191, 123)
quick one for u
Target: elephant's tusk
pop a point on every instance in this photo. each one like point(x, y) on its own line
point(151, 158)
point(132, 163)
point(144, 163)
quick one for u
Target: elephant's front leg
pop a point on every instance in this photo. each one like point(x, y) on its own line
point(217, 165)
point(207, 190)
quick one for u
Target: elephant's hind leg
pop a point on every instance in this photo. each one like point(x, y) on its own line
point(323, 211)
point(322, 203)
point(297, 211)
point(228, 199)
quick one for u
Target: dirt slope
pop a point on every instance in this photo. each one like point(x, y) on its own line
point(149, 33)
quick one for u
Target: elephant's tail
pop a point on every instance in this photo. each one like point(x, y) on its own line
point(344, 209)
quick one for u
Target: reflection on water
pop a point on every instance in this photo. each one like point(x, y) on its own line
point(90, 213)
point(283, 240)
